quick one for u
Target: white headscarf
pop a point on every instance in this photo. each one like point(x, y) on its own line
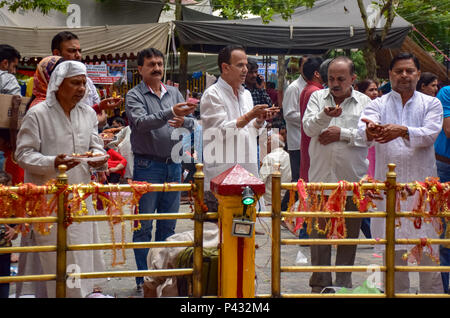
point(62, 71)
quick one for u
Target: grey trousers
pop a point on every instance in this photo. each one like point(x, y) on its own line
point(429, 282)
point(345, 254)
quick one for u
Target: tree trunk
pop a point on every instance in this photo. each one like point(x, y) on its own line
point(371, 62)
point(281, 76)
point(182, 75)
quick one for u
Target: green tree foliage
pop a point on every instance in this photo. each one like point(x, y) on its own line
point(43, 6)
point(431, 18)
point(237, 9)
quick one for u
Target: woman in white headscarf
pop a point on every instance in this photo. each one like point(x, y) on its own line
point(59, 126)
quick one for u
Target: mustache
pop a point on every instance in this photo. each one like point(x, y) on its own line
point(156, 72)
point(335, 88)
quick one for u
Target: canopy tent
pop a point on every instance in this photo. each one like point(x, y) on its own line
point(329, 24)
point(95, 40)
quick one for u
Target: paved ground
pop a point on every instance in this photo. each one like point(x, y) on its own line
point(290, 282)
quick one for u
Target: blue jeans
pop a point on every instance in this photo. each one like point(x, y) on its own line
point(5, 270)
point(365, 227)
point(443, 170)
point(161, 202)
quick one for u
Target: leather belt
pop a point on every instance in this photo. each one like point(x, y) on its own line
point(167, 160)
point(442, 158)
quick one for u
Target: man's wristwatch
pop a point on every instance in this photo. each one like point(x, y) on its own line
point(406, 135)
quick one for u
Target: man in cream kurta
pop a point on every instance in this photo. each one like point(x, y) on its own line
point(230, 122)
point(405, 123)
point(336, 153)
point(49, 131)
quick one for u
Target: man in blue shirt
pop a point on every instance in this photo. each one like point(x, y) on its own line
point(154, 111)
point(442, 149)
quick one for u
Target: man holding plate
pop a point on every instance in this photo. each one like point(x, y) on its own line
point(51, 132)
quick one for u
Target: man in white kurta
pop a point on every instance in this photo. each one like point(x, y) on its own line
point(230, 122)
point(405, 123)
point(48, 132)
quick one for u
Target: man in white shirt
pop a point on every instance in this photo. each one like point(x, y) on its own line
point(230, 122)
point(404, 125)
point(337, 153)
point(291, 114)
point(276, 154)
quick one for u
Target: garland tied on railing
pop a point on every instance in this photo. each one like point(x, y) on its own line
point(310, 199)
point(431, 193)
point(416, 253)
point(41, 201)
point(30, 201)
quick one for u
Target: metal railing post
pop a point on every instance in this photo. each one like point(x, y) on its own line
point(390, 230)
point(276, 231)
point(199, 178)
point(61, 240)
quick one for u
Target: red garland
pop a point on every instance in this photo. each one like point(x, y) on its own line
point(416, 253)
point(336, 204)
point(302, 205)
point(437, 195)
point(29, 201)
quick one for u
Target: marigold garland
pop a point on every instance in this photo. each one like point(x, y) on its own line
point(30, 201)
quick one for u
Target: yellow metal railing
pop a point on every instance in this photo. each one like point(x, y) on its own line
point(390, 241)
point(199, 216)
point(62, 247)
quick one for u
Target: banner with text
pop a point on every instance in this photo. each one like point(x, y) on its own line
point(108, 74)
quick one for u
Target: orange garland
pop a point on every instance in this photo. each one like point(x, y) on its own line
point(29, 201)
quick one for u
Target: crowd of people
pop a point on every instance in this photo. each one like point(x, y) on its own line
point(328, 127)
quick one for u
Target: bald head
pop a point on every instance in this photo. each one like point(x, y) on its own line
point(344, 60)
point(341, 75)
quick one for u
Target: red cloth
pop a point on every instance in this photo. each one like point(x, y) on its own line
point(193, 100)
point(114, 159)
point(12, 168)
point(371, 157)
point(97, 109)
point(310, 88)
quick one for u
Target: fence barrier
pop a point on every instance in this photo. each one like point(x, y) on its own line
point(62, 190)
